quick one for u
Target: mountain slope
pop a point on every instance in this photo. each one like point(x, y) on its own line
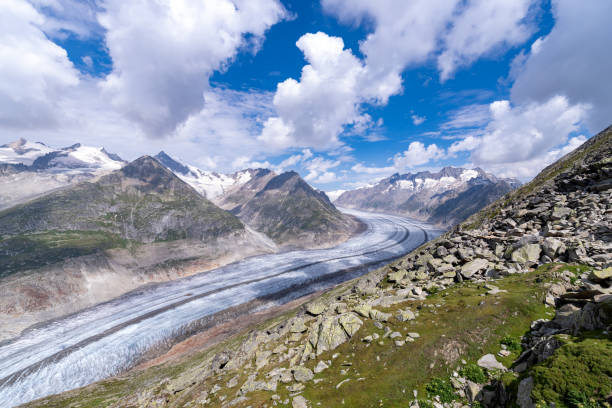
point(284, 207)
point(291, 212)
point(444, 198)
point(102, 238)
point(143, 201)
point(511, 308)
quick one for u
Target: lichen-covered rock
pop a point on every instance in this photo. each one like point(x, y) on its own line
point(489, 362)
point(363, 309)
point(397, 275)
point(405, 315)
point(302, 374)
point(299, 402)
point(320, 367)
point(380, 316)
point(331, 335)
point(350, 323)
point(315, 308)
point(601, 275)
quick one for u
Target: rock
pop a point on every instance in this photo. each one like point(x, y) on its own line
point(473, 267)
point(394, 335)
point(560, 212)
point(399, 343)
point(342, 382)
point(298, 326)
point(601, 275)
point(320, 367)
point(414, 335)
point(350, 323)
point(489, 362)
point(296, 387)
point(315, 308)
point(302, 374)
point(552, 247)
point(363, 310)
point(299, 402)
point(527, 254)
point(472, 391)
point(261, 358)
point(405, 315)
point(523, 395)
point(451, 259)
point(331, 335)
point(396, 276)
point(380, 316)
point(466, 254)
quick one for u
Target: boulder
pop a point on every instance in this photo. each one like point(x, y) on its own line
point(601, 275)
point(489, 362)
point(331, 335)
point(302, 374)
point(477, 265)
point(315, 308)
point(527, 254)
point(320, 367)
point(380, 316)
point(299, 402)
point(298, 326)
point(523, 395)
point(396, 276)
point(405, 315)
point(560, 212)
point(472, 391)
point(363, 310)
point(350, 323)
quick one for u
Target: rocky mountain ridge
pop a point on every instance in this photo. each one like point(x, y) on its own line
point(513, 307)
point(444, 198)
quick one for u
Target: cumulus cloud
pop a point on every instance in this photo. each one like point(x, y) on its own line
point(522, 139)
point(482, 27)
point(162, 60)
point(417, 155)
point(34, 71)
point(313, 111)
point(572, 60)
point(417, 120)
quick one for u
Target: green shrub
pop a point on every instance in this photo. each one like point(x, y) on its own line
point(425, 404)
point(442, 388)
point(512, 343)
point(474, 373)
point(578, 374)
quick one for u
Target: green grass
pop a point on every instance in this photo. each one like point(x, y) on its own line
point(474, 373)
point(31, 251)
point(441, 387)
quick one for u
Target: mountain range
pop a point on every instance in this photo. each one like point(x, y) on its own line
point(510, 308)
point(444, 198)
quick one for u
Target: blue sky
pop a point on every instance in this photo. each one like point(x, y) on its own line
point(343, 91)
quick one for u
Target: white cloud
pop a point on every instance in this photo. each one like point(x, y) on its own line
point(35, 72)
point(572, 60)
point(526, 169)
point(318, 169)
point(163, 58)
point(482, 27)
point(417, 155)
point(417, 120)
point(361, 168)
point(313, 111)
point(521, 140)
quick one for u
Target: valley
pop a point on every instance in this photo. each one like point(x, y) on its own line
point(109, 338)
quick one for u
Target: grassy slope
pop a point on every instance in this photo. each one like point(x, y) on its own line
point(460, 328)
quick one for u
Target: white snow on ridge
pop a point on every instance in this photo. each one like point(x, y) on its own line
point(86, 157)
point(211, 184)
point(23, 152)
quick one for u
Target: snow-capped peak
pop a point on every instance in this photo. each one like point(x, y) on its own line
point(74, 159)
point(208, 183)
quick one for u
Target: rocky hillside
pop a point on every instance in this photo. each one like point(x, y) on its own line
point(511, 308)
point(291, 212)
point(443, 198)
